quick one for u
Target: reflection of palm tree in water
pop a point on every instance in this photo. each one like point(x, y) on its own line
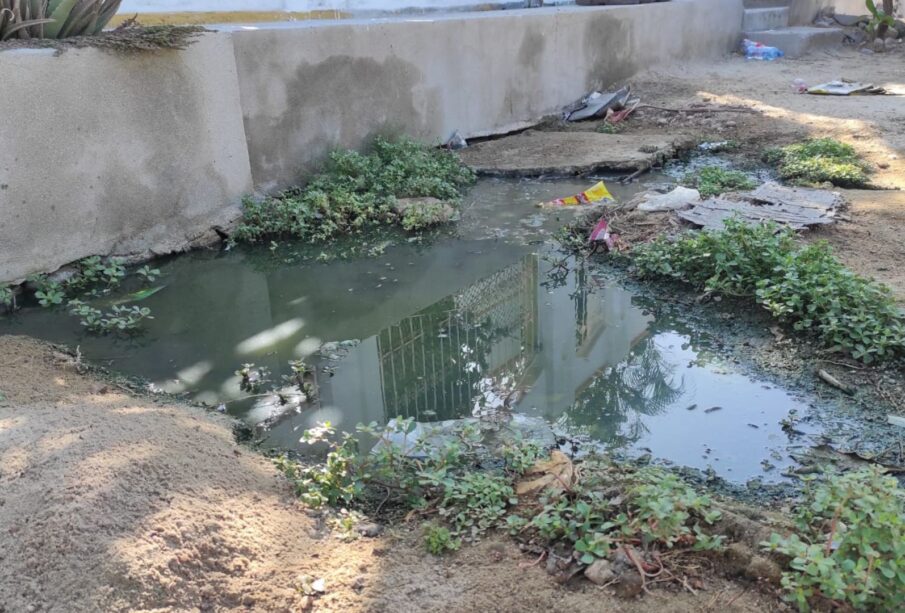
point(611, 406)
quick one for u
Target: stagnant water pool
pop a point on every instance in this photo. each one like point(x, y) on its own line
point(426, 330)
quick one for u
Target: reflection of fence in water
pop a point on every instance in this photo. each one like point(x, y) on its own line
point(425, 358)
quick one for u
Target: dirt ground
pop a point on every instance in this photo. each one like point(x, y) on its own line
point(112, 502)
point(871, 239)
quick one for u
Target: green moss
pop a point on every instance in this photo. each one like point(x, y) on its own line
point(713, 181)
point(817, 161)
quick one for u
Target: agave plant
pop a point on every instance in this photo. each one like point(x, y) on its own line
point(54, 18)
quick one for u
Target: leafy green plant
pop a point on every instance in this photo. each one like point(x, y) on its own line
point(476, 501)
point(27, 19)
point(148, 274)
point(252, 379)
point(663, 508)
point(438, 539)
point(335, 480)
point(817, 161)
point(713, 181)
point(356, 191)
point(881, 20)
point(849, 543)
point(806, 287)
point(118, 319)
point(48, 292)
point(7, 298)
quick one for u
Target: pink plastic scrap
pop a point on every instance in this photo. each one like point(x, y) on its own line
point(601, 234)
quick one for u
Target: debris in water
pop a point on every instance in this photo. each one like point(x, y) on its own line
point(896, 420)
point(594, 194)
point(691, 407)
point(830, 379)
point(601, 234)
point(844, 87)
point(712, 409)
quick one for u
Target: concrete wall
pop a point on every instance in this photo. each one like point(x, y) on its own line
point(310, 88)
point(116, 154)
point(145, 153)
point(803, 12)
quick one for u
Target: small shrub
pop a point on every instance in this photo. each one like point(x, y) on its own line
point(356, 191)
point(713, 181)
point(817, 161)
point(806, 286)
point(438, 540)
point(849, 544)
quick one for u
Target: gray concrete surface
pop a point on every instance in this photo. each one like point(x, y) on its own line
point(307, 89)
point(144, 154)
point(799, 40)
point(105, 153)
point(536, 153)
point(765, 18)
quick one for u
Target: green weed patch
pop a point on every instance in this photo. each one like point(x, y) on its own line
point(356, 192)
point(818, 161)
point(713, 181)
point(804, 286)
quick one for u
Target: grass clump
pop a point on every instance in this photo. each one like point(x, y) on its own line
point(848, 547)
point(713, 181)
point(804, 286)
point(357, 191)
point(819, 160)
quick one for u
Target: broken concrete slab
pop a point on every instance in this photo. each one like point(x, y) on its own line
point(535, 153)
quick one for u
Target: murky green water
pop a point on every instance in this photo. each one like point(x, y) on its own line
point(490, 316)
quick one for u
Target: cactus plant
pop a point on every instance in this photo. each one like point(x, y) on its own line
point(54, 18)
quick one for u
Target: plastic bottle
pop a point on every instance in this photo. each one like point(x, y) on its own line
point(759, 51)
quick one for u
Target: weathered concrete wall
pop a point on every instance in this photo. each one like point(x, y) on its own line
point(111, 154)
point(803, 12)
point(309, 88)
point(116, 154)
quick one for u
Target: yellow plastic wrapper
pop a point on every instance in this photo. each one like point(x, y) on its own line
point(596, 193)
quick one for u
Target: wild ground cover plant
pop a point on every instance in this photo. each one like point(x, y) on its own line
point(357, 191)
point(848, 546)
point(713, 181)
point(818, 161)
point(806, 287)
point(467, 499)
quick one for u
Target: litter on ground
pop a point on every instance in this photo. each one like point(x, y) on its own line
point(793, 207)
point(679, 198)
point(597, 104)
point(594, 194)
point(843, 87)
